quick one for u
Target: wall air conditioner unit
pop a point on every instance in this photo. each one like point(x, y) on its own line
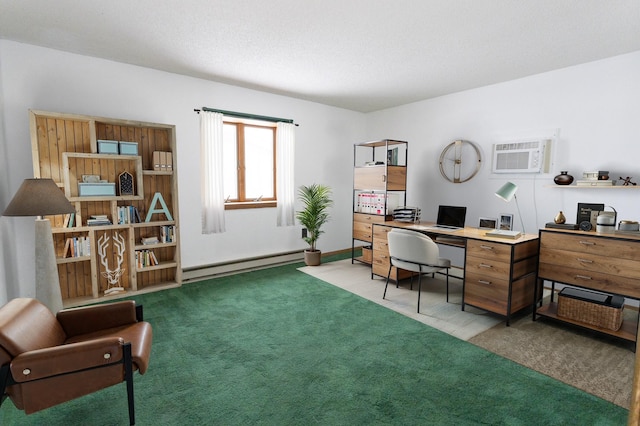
point(527, 156)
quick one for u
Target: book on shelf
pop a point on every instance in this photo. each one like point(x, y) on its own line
point(503, 233)
point(77, 247)
point(128, 214)
point(167, 234)
point(98, 222)
point(145, 258)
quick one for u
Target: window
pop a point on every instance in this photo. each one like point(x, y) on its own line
point(249, 164)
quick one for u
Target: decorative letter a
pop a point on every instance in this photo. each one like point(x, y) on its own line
point(157, 198)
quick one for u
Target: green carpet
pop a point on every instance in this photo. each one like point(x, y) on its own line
point(279, 347)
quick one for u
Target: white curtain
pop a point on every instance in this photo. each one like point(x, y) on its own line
point(212, 172)
point(285, 144)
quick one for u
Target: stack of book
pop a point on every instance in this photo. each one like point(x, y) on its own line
point(98, 219)
point(149, 240)
point(595, 179)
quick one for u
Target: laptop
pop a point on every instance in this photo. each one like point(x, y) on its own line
point(451, 217)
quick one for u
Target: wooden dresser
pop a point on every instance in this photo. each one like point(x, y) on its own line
point(606, 262)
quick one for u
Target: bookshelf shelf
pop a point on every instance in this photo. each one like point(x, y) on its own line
point(162, 265)
point(153, 246)
point(63, 260)
point(65, 148)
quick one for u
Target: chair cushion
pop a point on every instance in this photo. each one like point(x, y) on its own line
point(27, 325)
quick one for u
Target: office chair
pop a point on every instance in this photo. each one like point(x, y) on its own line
point(415, 252)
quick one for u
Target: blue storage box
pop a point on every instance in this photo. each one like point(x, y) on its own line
point(128, 148)
point(96, 189)
point(107, 147)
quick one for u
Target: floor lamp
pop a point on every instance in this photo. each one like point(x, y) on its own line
point(506, 193)
point(41, 197)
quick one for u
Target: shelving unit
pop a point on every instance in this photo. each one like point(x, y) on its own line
point(379, 185)
point(64, 149)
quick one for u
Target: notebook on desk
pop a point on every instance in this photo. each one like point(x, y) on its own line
point(450, 218)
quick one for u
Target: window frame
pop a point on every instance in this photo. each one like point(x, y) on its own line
point(242, 202)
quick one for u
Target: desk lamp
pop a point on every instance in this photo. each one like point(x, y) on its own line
point(40, 197)
point(506, 193)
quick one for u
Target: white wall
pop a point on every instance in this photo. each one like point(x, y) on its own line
point(595, 106)
point(37, 78)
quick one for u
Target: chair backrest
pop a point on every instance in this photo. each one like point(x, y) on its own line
point(412, 246)
point(26, 325)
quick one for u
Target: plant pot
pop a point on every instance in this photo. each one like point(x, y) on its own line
point(312, 258)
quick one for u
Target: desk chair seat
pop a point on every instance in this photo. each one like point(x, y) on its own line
point(415, 252)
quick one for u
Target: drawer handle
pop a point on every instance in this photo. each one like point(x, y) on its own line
point(484, 265)
point(588, 243)
point(486, 247)
point(585, 260)
point(583, 277)
point(485, 282)
point(384, 178)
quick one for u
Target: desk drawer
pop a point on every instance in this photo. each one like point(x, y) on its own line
point(368, 218)
point(489, 250)
point(488, 267)
point(601, 246)
point(486, 292)
point(363, 231)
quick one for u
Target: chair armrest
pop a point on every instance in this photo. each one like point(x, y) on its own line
point(48, 362)
point(88, 319)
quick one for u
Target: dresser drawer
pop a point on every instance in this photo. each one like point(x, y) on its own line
point(591, 262)
point(601, 246)
point(608, 283)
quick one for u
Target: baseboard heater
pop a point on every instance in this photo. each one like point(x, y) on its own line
point(199, 273)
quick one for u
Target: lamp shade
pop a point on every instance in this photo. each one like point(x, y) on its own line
point(507, 191)
point(38, 197)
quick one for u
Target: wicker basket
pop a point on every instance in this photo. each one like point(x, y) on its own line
point(591, 308)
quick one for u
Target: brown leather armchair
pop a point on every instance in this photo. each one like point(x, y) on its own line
point(47, 360)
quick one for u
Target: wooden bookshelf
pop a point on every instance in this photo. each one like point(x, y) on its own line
point(65, 148)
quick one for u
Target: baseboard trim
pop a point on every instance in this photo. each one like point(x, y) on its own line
point(204, 272)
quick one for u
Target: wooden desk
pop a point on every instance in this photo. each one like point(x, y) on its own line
point(499, 273)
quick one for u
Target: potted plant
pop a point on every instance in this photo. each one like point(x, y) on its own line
point(316, 200)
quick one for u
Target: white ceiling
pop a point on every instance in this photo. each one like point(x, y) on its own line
point(363, 55)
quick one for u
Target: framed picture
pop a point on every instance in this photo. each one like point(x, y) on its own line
point(506, 222)
point(488, 222)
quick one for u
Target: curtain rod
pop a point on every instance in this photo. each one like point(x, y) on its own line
point(246, 115)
